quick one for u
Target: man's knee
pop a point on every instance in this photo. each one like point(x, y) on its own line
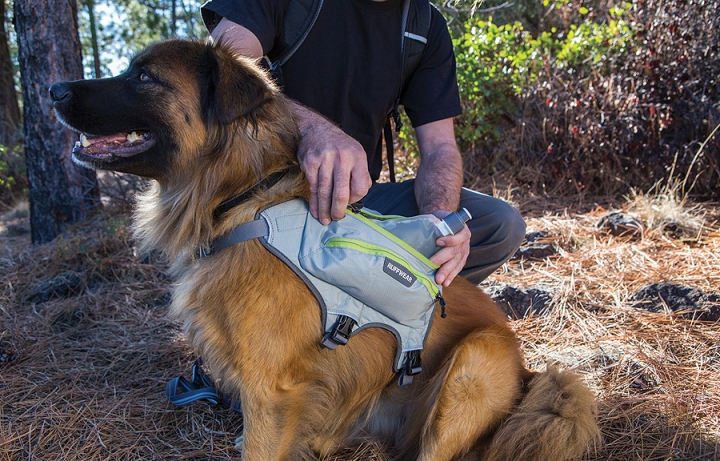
point(497, 230)
point(512, 226)
point(494, 221)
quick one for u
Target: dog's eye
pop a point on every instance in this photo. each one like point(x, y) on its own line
point(144, 77)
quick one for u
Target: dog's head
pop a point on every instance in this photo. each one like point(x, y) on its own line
point(162, 110)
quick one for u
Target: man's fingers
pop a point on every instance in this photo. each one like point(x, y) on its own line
point(451, 258)
point(324, 191)
point(360, 183)
point(449, 263)
point(336, 169)
point(340, 195)
point(311, 177)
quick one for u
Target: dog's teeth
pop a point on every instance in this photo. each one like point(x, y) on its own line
point(132, 137)
point(77, 144)
point(84, 140)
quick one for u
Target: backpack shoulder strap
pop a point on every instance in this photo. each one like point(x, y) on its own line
point(415, 31)
point(300, 17)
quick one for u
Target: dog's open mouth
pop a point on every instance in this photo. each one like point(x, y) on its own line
point(116, 145)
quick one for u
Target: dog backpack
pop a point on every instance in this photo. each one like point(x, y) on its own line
point(301, 16)
point(363, 269)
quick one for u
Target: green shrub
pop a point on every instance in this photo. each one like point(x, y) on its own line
point(494, 63)
point(498, 63)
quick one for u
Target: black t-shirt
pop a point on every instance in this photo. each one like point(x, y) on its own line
point(349, 66)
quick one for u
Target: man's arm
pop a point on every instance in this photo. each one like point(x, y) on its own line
point(437, 190)
point(334, 163)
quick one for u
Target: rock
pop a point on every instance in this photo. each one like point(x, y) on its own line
point(532, 250)
point(62, 286)
point(620, 225)
point(535, 252)
point(534, 236)
point(518, 303)
point(661, 296)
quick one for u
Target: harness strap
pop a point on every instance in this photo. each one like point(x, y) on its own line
point(267, 182)
point(182, 392)
point(243, 232)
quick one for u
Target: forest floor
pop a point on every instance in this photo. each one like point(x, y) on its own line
point(627, 294)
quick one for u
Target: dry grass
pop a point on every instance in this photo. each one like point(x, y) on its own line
point(83, 368)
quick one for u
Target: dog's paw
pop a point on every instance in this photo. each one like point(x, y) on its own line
point(239, 444)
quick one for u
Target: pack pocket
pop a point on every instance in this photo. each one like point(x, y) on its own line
point(377, 276)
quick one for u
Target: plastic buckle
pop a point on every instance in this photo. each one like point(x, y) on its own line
point(412, 367)
point(340, 333)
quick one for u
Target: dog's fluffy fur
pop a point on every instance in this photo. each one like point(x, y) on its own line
point(211, 125)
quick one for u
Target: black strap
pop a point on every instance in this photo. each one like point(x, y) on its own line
point(414, 35)
point(267, 182)
point(182, 392)
point(390, 149)
point(300, 17)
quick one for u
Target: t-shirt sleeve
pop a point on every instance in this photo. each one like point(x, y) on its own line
point(261, 17)
point(432, 92)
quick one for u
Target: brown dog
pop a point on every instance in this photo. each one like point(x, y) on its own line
point(207, 125)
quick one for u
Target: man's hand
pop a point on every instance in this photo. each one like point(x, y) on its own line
point(334, 163)
point(451, 258)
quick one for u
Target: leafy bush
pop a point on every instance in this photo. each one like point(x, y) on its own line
point(613, 102)
point(494, 62)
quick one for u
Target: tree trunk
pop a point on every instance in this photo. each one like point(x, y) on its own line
point(90, 5)
point(9, 108)
point(60, 192)
point(173, 19)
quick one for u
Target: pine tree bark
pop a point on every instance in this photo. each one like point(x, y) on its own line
point(49, 51)
point(9, 108)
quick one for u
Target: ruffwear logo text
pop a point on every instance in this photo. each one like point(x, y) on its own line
point(399, 272)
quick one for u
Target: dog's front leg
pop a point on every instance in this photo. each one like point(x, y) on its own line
point(274, 427)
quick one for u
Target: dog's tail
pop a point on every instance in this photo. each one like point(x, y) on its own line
point(554, 421)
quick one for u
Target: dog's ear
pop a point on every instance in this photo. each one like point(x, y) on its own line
point(231, 88)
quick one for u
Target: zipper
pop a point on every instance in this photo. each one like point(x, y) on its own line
point(363, 216)
point(377, 250)
point(357, 208)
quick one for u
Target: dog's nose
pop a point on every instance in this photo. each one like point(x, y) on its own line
point(59, 91)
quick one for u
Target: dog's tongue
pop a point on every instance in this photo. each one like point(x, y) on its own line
point(119, 144)
point(108, 139)
point(115, 138)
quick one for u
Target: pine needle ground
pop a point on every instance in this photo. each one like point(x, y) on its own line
point(86, 347)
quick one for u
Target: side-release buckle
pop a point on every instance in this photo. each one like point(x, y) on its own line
point(412, 367)
point(340, 333)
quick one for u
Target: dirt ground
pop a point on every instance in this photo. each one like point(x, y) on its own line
point(631, 301)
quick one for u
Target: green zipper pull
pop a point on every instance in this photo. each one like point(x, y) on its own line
point(441, 300)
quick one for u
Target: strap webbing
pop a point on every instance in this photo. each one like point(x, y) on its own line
point(182, 392)
point(243, 232)
point(267, 182)
point(390, 149)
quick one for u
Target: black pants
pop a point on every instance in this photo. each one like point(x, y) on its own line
point(497, 228)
